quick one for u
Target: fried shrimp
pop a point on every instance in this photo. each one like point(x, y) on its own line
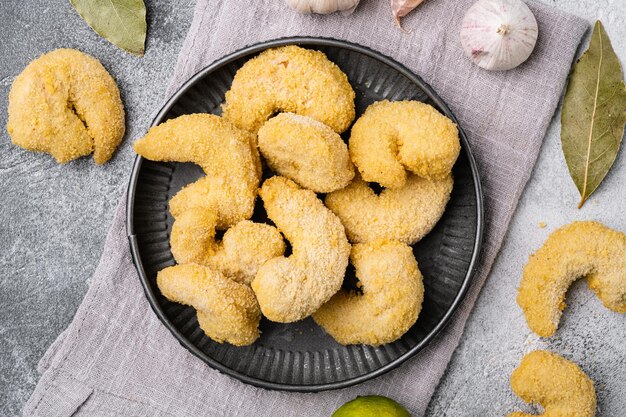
point(291, 288)
point(307, 152)
point(227, 310)
point(557, 384)
point(392, 297)
point(225, 154)
point(393, 137)
point(405, 214)
point(66, 104)
point(581, 249)
point(290, 79)
point(232, 201)
point(243, 249)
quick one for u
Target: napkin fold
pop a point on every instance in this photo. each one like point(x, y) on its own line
point(116, 358)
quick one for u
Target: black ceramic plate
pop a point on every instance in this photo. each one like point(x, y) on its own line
point(300, 356)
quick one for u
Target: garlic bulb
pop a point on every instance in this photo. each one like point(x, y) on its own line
point(323, 6)
point(499, 34)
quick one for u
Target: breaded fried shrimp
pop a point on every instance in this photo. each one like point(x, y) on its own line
point(291, 288)
point(306, 151)
point(232, 201)
point(581, 249)
point(66, 104)
point(406, 214)
point(562, 389)
point(393, 137)
point(392, 297)
point(290, 79)
point(225, 154)
point(227, 310)
point(243, 249)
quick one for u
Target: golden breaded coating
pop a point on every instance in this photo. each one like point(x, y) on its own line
point(581, 249)
point(227, 310)
point(209, 192)
point(224, 152)
point(558, 385)
point(307, 152)
point(292, 288)
point(406, 214)
point(290, 79)
point(391, 301)
point(66, 104)
point(243, 249)
point(392, 137)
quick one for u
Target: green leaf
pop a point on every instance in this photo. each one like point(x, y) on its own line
point(594, 113)
point(121, 22)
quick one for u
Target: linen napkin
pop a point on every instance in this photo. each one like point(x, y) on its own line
point(117, 359)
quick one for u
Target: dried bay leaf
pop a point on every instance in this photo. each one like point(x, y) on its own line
point(121, 22)
point(594, 114)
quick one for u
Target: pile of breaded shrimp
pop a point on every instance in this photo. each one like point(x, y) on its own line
point(287, 107)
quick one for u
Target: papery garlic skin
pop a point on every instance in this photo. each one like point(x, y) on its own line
point(401, 8)
point(323, 6)
point(499, 35)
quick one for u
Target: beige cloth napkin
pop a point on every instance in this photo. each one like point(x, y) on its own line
point(117, 359)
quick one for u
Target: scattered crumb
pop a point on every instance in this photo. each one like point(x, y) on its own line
point(543, 224)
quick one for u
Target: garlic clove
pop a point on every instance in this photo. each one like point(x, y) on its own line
point(401, 8)
point(499, 35)
point(323, 6)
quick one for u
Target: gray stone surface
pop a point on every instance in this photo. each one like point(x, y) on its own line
point(54, 220)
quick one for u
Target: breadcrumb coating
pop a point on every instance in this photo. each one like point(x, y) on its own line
point(227, 310)
point(243, 249)
point(562, 389)
point(290, 79)
point(225, 154)
point(392, 297)
point(581, 249)
point(406, 214)
point(65, 103)
point(306, 151)
point(393, 137)
point(291, 288)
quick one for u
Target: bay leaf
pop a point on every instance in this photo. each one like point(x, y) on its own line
point(594, 114)
point(121, 22)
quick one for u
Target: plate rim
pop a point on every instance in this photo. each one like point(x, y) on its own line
point(432, 95)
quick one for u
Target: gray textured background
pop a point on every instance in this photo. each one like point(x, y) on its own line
point(54, 220)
